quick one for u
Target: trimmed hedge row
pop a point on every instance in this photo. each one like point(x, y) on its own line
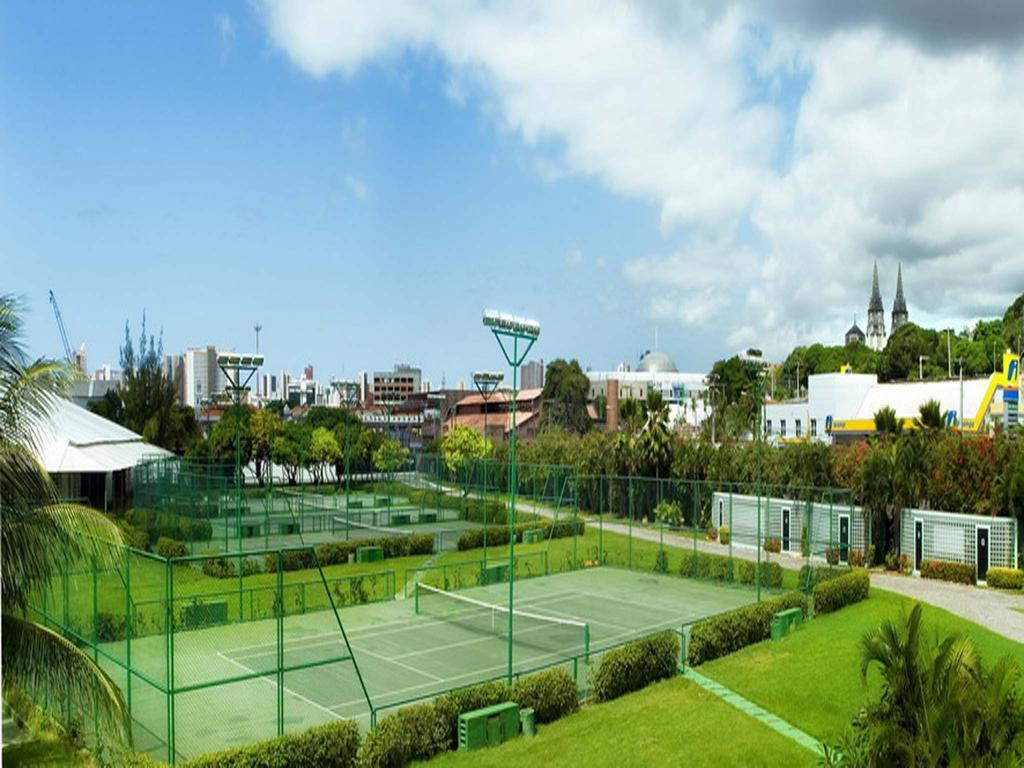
point(728, 632)
point(337, 552)
point(335, 745)
point(833, 594)
point(497, 535)
point(1005, 578)
point(157, 524)
point(636, 664)
point(819, 573)
point(959, 573)
point(720, 568)
point(168, 547)
point(420, 731)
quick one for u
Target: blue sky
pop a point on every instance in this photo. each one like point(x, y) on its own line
point(363, 182)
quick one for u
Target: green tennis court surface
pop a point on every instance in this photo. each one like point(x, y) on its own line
point(402, 655)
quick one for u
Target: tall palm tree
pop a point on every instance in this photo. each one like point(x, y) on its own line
point(40, 535)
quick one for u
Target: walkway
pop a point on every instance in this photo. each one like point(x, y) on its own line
point(748, 707)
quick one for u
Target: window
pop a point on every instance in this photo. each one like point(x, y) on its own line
point(797, 429)
point(814, 427)
point(782, 427)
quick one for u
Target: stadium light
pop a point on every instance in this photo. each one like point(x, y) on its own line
point(234, 365)
point(348, 391)
point(516, 337)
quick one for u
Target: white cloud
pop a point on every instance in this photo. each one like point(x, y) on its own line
point(226, 29)
point(904, 147)
point(356, 187)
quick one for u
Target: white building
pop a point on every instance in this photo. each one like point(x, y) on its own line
point(685, 393)
point(204, 380)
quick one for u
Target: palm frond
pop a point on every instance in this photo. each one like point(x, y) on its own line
point(36, 659)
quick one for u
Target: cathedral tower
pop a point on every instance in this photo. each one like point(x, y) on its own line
point(899, 306)
point(876, 316)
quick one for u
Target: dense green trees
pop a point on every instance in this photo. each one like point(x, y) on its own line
point(566, 391)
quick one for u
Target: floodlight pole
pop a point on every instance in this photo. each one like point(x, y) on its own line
point(233, 366)
point(512, 330)
point(486, 383)
point(347, 391)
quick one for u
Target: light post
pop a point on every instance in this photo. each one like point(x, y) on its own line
point(486, 383)
point(348, 392)
point(234, 366)
point(515, 336)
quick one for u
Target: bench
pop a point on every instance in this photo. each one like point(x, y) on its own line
point(489, 726)
point(783, 621)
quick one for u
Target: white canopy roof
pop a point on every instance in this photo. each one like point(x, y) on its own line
point(78, 440)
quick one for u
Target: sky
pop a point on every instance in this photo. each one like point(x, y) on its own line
point(363, 179)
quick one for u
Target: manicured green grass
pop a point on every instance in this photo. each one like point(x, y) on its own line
point(668, 724)
point(812, 677)
point(48, 752)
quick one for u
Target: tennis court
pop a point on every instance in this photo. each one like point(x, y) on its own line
point(456, 639)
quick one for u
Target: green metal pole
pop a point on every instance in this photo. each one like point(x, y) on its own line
point(512, 502)
point(757, 428)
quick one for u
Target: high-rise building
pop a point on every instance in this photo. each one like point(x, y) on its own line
point(533, 375)
point(204, 380)
point(396, 385)
point(876, 316)
point(80, 358)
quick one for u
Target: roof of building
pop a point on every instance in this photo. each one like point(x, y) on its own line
point(899, 306)
point(656, 362)
point(501, 396)
point(855, 331)
point(875, 304)
point(78, 440)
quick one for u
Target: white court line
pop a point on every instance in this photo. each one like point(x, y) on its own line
point(287, 690)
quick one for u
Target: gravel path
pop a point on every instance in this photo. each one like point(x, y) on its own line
point(988, 607)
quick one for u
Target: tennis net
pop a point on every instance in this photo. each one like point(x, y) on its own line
point(564, 638)
point(353, 529)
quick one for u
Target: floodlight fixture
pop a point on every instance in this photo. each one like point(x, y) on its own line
point(487, 381)
point(347, 389)
point(501, 322)
point(234, 366)
point(235, 360)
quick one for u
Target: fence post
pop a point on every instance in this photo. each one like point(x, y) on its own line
point(280, 643)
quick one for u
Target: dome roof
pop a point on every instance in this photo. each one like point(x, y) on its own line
point(656, 362)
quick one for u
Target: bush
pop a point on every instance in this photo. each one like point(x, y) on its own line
point(704, 566)
point(892, 561)
point(398, 739)
point(291, 560)
point(136, 538)
point(636, 665)
point(728, 632)
point(810, 576)
point(831, 595)
point(668, 513)
point(661, 562)
point(166, 547)
point(959, 573)
point(832, 556)
point(1005, 578)
point(110, 627)
point(449, 706)
point(771, 574)
point(498, 535)
point(724, 534)
point(712, 533)
point(551, 694)
point(856, 558)
point(772, 545)
point(219, 567)
point(157, 524)
point(334, 745)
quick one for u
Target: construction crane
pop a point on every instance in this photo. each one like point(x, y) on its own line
point(60, 327)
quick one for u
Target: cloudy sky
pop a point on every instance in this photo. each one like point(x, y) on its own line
point(363, 178)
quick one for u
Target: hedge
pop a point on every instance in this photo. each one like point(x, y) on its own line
point(157, 524)
point(833, 594)
point(1005, 578)
point(334, 745)
point(728, 632)
point(449, 706)
point(959, 573)
point(551, 694)
point(636, 665)
point(818, 574)
point(337, 552)
point(771, 573)
point(498, 535)
point(167, 547)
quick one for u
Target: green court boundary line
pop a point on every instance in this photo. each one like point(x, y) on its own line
point(755, 711)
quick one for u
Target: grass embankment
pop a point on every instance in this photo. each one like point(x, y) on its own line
point(812, 678)
point(671, 723)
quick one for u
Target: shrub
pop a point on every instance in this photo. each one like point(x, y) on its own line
point(449, 706)
point(250, 567)
point(772, 545)
point(724, 534)
point(1005, 578)
point(291, 560)
point(661, 562)
point(398, 739)
point(636, 665)
point(167, 547)
point(110, 627)
point(551, 694)
point(137, 538)
point(892, 561)
point(771, 574)
point(832, 556)
point(856, 558)
point(218, 567)
point(959, 573)
point(811, 576)
point(712, 533)
point(498, 535)
point(845, 590)
point(668, 513)
point(728, 632)
point(704, 566)
point(334, 745)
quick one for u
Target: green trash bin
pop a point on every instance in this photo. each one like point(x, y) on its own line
point(526, 719)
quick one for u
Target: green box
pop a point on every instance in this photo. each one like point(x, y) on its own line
point(369, 554)
point(533, 536)
point(287, 529)
point(783, 621)
point(250, 531)
point(355, 505)
point(495, 573)
point(381, 501)
point(489, 726)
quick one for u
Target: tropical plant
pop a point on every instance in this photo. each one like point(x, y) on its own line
point(390, 456)
point(264, 427)
point(40, 535)
point(931, 417)
point(323, 451)
point(939, 706)
point(886, 422)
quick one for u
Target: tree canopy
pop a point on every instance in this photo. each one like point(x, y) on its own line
point(566, 391)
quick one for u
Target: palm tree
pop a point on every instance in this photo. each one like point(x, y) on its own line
point(886, 422)
point(932, 418)
point(40, 535)
point(939, 705)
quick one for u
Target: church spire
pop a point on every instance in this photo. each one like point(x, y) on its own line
point(899, 305)
point(875, 305)
point(876, 315)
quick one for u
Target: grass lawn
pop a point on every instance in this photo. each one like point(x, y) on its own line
point(671, 723)
point(48, 752)
point(812, 678)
